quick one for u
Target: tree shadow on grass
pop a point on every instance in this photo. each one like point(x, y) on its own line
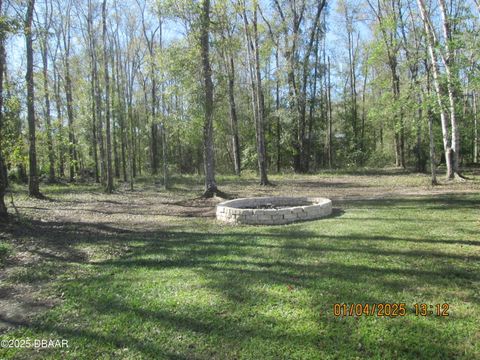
point(241, 326)
point(438, 202)
point(253, 272)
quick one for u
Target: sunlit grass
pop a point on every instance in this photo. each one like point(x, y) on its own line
point(209, 291)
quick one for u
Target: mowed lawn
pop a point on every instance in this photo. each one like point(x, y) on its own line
point(196, 289)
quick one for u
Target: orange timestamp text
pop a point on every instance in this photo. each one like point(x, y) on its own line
point(389, 309)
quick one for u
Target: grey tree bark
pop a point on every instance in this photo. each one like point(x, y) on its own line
point(109, 185)
point(58, 106)
point(92, 89)
point(260, 133)
point(208, 151)
point(475, 129)
point(46, 94)
point(97, 97)
point(3, 169)
point(253, 63)
point(66, 35)
point(233, 116)
point(33, 181)
point(150, 40)
point(330, 119)
point(163, 134)
point(433, 161)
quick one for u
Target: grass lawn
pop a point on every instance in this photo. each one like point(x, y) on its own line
point(136, 276)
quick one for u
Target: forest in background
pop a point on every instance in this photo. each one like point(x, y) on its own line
point(107, 90)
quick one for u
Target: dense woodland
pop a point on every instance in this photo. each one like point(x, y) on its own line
point(107, 91)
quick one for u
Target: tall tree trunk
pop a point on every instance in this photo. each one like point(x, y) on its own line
point(92, 90)
point(33, 182)
point(153, 126)
point(414, 83)
point(431, 42)
point(134, 144)
point(312, 42)
point(433, 161)
point(98, 107)
point(68, 94)
point(233, 117)
point(352, 77)
point(131, 154)
point(122, 123)
point(3, 168)
point(261, 148)
point(399, 139)
point(123, 140)
point(116, 157)
point(3, 186)
point(290, 52)
point(109, 186)
point(330, 120)
point(94, 127)
point(313, 98)
point(208, 151)
point(115, 111)
point(163, 134)
point(154, 142)
point(277, 108)
point(48, 120)
point(475, 130)
point(58, 105)
point(448, 62)
point(364, 113)
point(253, 61)
point(154, 134)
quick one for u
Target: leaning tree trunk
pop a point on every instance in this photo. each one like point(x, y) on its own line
point(447, 147)
point(448, 63)
point(208, 152)
point(33, 187)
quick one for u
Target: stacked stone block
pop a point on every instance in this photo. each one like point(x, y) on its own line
point(247, 211)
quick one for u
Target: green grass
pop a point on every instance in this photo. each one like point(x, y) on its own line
point(205, 291)
point(5, 251)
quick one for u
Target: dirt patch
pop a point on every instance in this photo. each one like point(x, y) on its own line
point(21, 302)
point(21, 296)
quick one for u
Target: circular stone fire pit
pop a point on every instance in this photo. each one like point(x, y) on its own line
point(273, 210)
